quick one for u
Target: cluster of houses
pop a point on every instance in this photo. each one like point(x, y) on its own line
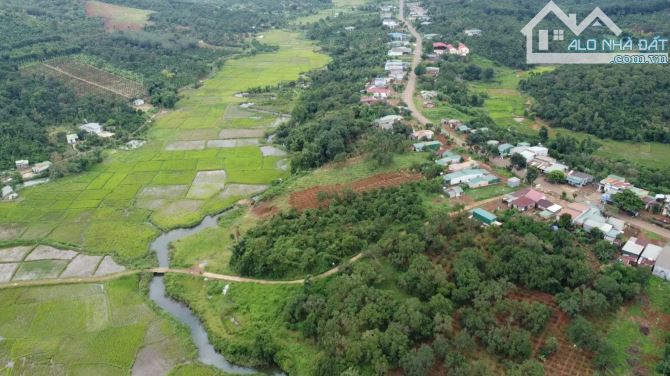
point(614, 184)
point(418, 13)
point(386, 14)
point(639, 252)
point(29, 172)
point(441, 48)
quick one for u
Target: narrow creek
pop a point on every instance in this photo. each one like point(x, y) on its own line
point(206, 352)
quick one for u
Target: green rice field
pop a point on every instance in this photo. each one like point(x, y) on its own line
point(124, 202)
point(87, 329)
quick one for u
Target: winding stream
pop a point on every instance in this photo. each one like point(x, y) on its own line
point(206, 352)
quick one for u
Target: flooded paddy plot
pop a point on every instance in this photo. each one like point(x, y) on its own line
point(45, 252)
point(271, 151)
point(82, 266)
point(108, 266)
point(185, 145)
point(206, 184)
point(14, 253)
point(7, 271)
point(242, 133)
point(232, 143)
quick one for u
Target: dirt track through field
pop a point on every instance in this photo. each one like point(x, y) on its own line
point(56, 69)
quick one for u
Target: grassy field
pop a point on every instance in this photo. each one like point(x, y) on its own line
point(233, 319)
point(85, 329)
point(339, 6)
point(485, 193)
point(506, 105)
point(633, 349)
point(108, 210)
point(118, 17)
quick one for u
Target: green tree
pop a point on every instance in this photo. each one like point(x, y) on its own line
point(518, 161)
point(532, 174)
point(628, 201)
point(544, 134)
point(418, 362)
point(556, 177)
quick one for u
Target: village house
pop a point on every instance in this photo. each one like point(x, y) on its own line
point(370, 100)
point(463, 176)
point(453, 192)
point(454, 167)
point(398, 43)
point(463, 50)
point(650, 255)
point(483, 181)
point(449, 156)
point(397, 75)
point(138, 102)
point(427, 146)
point(440, 48)
point(91, 128)
point(579, 179)
point(349, 28)
point(378, 92)
point(380, 82)
point(71, 138)
point(398, 36)
point(493, 143)
point(514, 182)
point(484, 216)
point(528, 193)
point(592, 218)
point(423, 134)
point(386, 123)
point(8, 193)
point(473, 32)
point(22, 164)
point(41, 167)
point(504, 150)
point(613, 184)
point(430, 36)
point(390, 23)
point(394, 65)
point(631, 251)
point(432, 71)
point(428, 95)
point(662, 266)
point(463, 129)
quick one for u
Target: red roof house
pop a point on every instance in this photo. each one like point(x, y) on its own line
point(440, 45)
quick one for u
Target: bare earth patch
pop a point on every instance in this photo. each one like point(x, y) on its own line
point(151, 204)
point(242, 133)
point(82, 266)
point(108, 266)
point(185, 145)
point(271, 151)
point(11, 231)
point(45, 252)
point(7, 271)
point(14, 253)
point(117, 17)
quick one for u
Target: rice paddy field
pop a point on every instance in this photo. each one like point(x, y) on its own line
point(189, 168)
point(87, 329)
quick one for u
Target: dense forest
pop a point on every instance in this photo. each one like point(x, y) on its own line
point(328, 118)
point(624, 102)
point(435, 288)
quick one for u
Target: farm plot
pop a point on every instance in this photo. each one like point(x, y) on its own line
point(308, 199)
point(118, 18)
point(106, 211)
point(87, 329)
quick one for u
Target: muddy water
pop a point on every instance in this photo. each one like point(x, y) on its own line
point(206, 352)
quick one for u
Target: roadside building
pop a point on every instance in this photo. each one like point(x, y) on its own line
point(650, 255)
point(463, 166)
point(662, 267)
point(463, 176)
point(454, 192)
point(41, 167)
point(579, 179)
point(91, 128)
point(390, 23)
point(631, 251)
point(613, 184)
point(138, 102)
point(513, 182)
point(484, 216)
point(387, 122)
point(423, 134)
point(504, 149)
point(483, 181)
point(378, 92)
point(427, 146)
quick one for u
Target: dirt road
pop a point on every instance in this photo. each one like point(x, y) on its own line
point(410, 88)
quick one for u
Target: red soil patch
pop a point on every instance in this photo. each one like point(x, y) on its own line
point(307, 199)
point(568, 360)
point(264, 210)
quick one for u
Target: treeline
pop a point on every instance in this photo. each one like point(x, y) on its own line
point(437, 289)
point(626, 102)
point(328, 118)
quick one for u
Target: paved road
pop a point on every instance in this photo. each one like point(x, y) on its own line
point(410, 88)
point(642, 224)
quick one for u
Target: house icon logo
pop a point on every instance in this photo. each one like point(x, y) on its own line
point(598, 52)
